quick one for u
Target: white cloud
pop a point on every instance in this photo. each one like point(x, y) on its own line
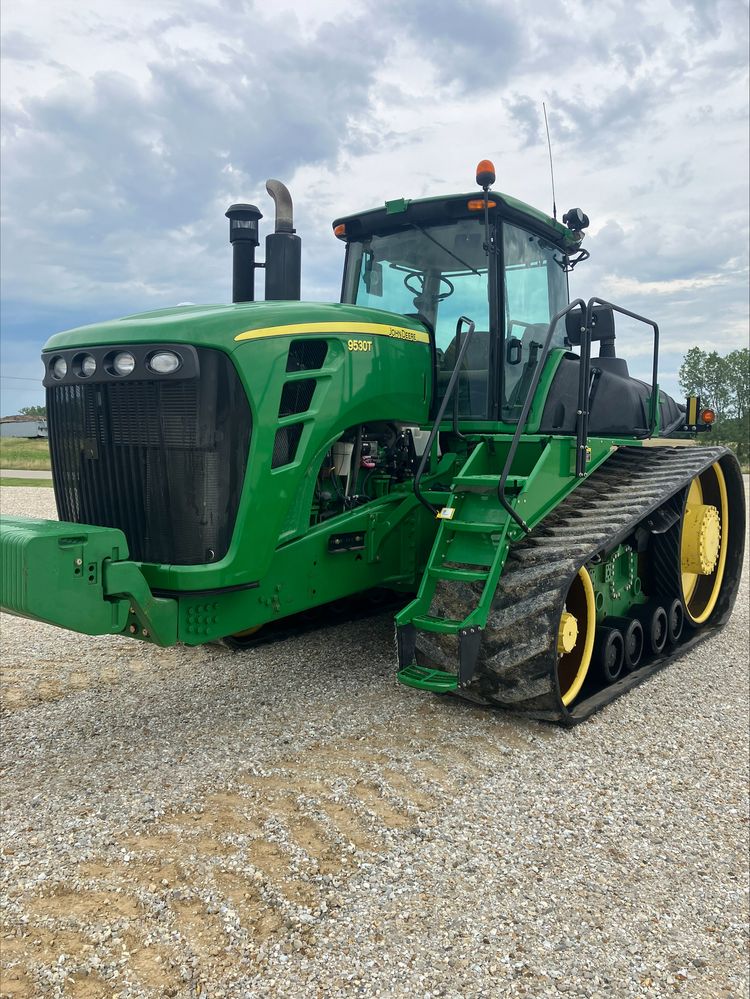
point(129, 127)
point(622, 286)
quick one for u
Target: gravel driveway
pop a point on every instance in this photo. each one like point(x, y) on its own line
point(291, 822)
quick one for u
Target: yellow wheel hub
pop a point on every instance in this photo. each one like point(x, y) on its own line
point(567, 634)
point(701, 539)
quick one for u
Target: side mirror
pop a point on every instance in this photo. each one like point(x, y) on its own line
point(373, 278)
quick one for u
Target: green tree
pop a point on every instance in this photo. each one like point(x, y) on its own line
point(706, 374)
point(738, 378)
point(691, 372)
point(35, 412)
point(723, 383)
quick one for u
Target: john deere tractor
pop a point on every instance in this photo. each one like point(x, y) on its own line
point(444, 433)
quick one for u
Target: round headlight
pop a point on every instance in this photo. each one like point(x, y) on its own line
point(59, 367)
point(123, 363)
point(165, 362)
point(87, 365)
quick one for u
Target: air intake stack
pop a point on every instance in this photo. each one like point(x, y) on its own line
point(243, 236)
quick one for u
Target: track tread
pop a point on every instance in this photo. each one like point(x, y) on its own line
point(517, 667)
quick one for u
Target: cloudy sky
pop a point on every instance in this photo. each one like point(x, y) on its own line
point(129, 126)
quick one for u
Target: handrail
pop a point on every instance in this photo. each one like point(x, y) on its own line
point(582, 434)
point(442, 408)
point(525, 412)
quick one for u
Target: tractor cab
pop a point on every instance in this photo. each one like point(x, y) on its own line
point(492, 259)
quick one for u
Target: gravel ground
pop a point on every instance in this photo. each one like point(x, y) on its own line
point(290, 822)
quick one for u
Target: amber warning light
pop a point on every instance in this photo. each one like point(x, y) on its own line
point(485, 173)
point(708, 416)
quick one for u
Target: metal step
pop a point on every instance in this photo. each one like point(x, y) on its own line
point(423, 678)
point(440, 625)
point(460, 575)
point(471, 527)
point(487, 483)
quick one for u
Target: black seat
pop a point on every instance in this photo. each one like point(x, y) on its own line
point(472, 384)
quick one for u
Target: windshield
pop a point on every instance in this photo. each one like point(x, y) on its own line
point(436, 274)
point(536, 288)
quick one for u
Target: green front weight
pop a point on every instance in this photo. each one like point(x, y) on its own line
point(76, 576)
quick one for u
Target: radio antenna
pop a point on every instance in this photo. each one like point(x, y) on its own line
point(551, 171)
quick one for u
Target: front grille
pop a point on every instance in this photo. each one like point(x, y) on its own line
point(163, 460)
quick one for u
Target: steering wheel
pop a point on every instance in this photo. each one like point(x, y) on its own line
point(415, 275)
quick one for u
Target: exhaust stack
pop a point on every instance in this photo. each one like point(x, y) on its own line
point(243, 237)
point(283, 249)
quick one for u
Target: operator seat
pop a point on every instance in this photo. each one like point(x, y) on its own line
point(472, 386)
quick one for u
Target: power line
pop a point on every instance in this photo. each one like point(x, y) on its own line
point(20, 378)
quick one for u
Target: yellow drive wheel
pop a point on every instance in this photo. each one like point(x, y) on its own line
point(575, 639)
point(704, 537)
point(247, 632)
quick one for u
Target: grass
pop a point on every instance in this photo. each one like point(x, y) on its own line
point(26, 483)
point(18, 452)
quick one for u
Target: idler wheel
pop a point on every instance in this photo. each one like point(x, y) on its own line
point(704, 537)
point(575, 636)
point(609, 653)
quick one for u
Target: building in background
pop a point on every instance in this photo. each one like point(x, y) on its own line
point(23, 426)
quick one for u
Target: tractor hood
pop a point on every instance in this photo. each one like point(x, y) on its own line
point(229, 327)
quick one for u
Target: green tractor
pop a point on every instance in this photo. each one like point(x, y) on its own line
point(443, 434)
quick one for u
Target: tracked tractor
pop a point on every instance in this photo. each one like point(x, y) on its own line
point(455, 432)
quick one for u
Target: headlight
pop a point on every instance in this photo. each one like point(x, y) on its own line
point(87, 365)
point(59, 367)
point(165, 362)
point(123, 363)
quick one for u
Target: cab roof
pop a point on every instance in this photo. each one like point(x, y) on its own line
point(447, 208)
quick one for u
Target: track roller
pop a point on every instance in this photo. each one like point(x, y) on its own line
point(653, 617)
point(632, 635)
point(675, 621)
point(609, 652)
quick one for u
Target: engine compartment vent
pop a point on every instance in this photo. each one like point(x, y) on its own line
point(306, 355)
point(285, 445)
point(297, 396)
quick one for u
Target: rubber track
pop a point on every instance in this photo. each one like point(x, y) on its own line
point(517, 668)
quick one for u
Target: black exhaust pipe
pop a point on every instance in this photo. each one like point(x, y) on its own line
point(243, 236)
point(283, 249)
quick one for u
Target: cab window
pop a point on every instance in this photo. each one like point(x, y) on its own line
point(434, 273)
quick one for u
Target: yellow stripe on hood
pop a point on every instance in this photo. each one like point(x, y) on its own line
point(345, 328)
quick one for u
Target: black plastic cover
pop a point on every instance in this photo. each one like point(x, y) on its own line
point(618, 403)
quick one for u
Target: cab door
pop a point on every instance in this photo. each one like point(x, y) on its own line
point(535, 288)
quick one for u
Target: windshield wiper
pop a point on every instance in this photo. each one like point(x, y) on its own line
point(445, 249)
